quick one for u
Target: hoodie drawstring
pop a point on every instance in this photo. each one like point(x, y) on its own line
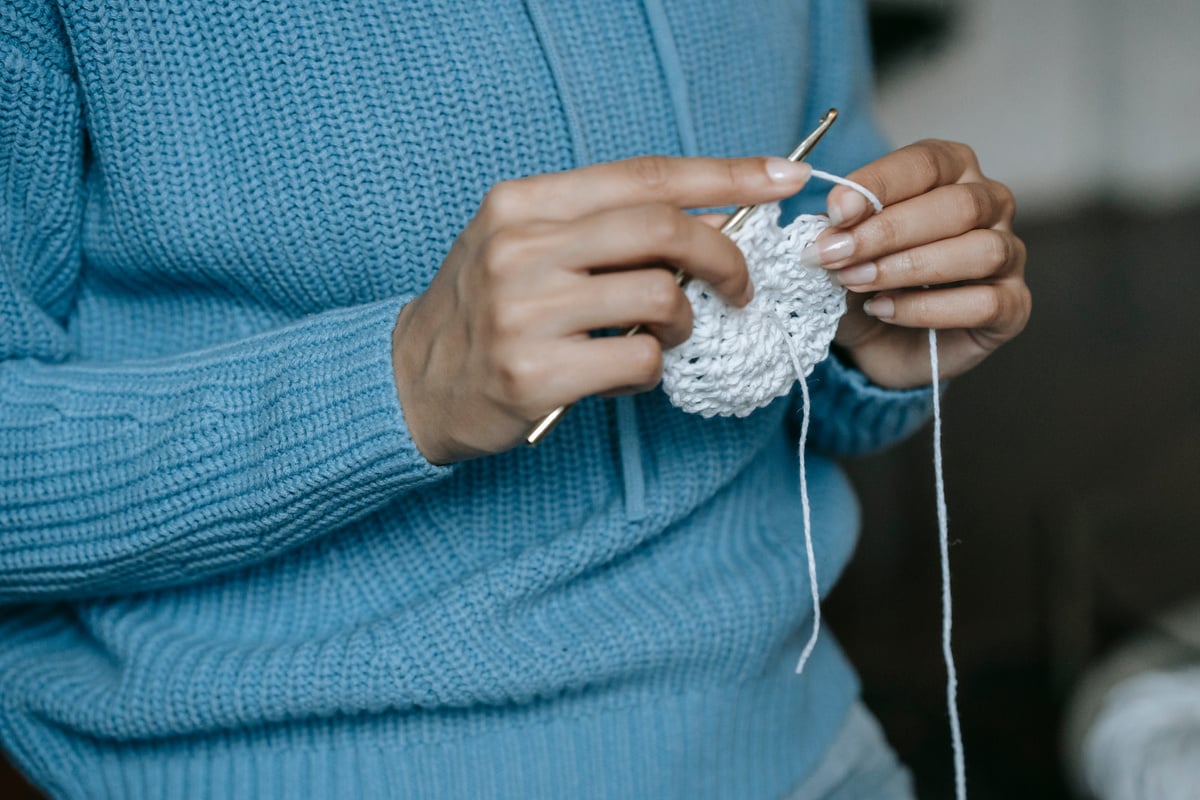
point(628, 440)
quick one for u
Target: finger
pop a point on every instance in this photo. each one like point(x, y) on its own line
point(648, 297)
point(574, 369)
point(999, 309)
point(653, 234)
point(942, 213)
point(680, 182)
point(900, 175)
point(974, 256)
point(713, 220)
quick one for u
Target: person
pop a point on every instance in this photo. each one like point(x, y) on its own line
point(283, 289)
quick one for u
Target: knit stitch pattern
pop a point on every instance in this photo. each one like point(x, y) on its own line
point(225, 568)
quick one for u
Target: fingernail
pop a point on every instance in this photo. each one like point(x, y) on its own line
point(783, 171)
point(880, 307)
point(828, 250)
point(849, 206)
point(857, 275)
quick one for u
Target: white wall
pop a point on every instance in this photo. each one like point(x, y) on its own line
point(1064, 99)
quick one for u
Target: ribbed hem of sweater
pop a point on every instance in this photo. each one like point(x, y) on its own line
point(758, 739)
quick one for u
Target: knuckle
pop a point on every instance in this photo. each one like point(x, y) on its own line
point(882, 233)
point(1007, 201)
point(683, 331)
point(662, 295)
point(872, 177)
point(663, 225)
point(991, 308)
point(736, 173)
point(1025, 298)
point(961, 153)
point(920, 307)
point(1019, 254)
point(977, 204)
point(645, 360)
point(998, 250)
point(909, 266)
point(510, 318)
point(929, 162)
point(651, 172)
point(502, 203)
point(502, 252)
point(731, 278)
point(519, 377)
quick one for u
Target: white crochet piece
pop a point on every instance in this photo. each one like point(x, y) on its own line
point(737, 359)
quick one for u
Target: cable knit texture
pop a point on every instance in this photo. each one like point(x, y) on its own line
point(226, 571)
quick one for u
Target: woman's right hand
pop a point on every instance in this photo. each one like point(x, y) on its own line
point(501, 336)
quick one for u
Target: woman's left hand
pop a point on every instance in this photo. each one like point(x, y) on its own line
point(941, 254)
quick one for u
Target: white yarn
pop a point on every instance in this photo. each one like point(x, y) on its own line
point(856, 186)
point(956, 742)
point(806, 510)
point(737, 359)
point(740, 359)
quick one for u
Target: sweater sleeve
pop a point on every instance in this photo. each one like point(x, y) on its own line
point(122, 477)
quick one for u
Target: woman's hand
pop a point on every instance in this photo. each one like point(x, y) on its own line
point(942, 255)
point(501, 337)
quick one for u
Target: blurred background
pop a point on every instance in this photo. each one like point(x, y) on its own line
point(1073, 455)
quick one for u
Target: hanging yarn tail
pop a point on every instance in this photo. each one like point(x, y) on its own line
point(806, 508)
point(960, 776)
point(795, 356)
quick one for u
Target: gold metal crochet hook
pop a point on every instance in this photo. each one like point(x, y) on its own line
point(731, 226)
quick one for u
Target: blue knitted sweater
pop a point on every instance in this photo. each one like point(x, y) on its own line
point(225, 571)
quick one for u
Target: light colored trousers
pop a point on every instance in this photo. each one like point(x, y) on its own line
point(860, 765)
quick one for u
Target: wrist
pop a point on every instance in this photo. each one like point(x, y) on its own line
point(406, 372)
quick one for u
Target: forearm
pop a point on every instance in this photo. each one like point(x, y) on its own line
point(124, 477)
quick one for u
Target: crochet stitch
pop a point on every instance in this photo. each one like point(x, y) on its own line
point(736, 360)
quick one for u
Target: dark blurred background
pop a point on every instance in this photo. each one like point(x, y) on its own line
point(1073, 455)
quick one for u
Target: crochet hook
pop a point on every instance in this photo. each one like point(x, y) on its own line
point(731, 226)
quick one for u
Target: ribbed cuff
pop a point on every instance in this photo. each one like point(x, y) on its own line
point(851, 415)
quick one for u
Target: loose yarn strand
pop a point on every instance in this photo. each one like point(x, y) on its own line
point(806, 509)
point(855, 185)
point(960, 777)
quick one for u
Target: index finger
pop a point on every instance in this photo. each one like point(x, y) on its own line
point(680, 182)
point(900, 175)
